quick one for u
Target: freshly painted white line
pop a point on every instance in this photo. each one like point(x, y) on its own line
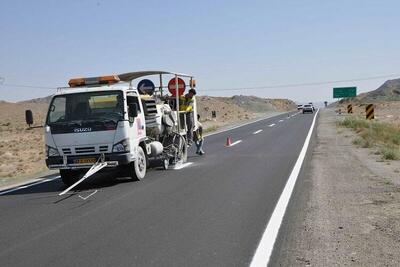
point(84, 198)
point(29, 185)
point(271, 125)
point(181, 165)
point(235, 143)
point(280, 120)
point(95, 168)
point(264, 250)
point(241, 125)
point(259, 131)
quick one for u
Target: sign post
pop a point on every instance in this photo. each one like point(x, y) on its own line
point(176, 83)
point(146, 87)
point(349, 108)
point(344, 92)
point(369, 112)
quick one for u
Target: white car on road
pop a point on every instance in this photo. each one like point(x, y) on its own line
point(308, 109)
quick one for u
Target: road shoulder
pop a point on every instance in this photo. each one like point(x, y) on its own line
point(345, 207)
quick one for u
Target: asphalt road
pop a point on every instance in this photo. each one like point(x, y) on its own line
point(211, 213)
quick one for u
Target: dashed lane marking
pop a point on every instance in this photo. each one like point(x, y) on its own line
point(235, 143)
point(259, 131)
point(241, 125)
point(272, 125)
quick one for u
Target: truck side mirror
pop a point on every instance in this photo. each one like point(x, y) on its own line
point(133, 110)
point(29, 117)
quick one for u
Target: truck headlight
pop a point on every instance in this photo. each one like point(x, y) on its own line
point(51, 151)
point(122, 146)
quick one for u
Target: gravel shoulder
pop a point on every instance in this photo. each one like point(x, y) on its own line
point(345, 210)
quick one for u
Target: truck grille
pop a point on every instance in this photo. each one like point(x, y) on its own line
point(66, 151)
point(103, 148)
point(82, 150)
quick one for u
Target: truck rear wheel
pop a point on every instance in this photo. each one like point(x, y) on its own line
point(184, 152)
point(137, 169)
point(69, 177)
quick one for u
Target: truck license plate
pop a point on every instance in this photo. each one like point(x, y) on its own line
point(85, 160)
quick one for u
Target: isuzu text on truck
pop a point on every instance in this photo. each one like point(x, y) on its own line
point(105, 122)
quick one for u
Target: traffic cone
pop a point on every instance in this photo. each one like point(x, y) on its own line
point(228, 141)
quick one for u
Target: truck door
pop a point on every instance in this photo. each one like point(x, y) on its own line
point(136, 117)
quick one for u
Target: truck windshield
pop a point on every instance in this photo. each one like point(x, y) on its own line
point(95, 107)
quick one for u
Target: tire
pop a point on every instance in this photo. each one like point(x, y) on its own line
point(185, 153)
point(137, 169)
point(69, 177)
point(165, 164)
point(184, 150)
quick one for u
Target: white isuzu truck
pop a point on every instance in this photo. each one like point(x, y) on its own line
point(108, 122)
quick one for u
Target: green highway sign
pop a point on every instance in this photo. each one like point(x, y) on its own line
point(341, 92)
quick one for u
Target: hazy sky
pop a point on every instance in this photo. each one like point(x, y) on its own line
point(225, 44)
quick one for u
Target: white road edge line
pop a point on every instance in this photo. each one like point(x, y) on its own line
point(265, 247)
point(29, 185)
point(271, 125)
point(259, 131)
point(235, 143)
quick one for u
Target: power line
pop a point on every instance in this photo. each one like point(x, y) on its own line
point(29, 86)
point(235, 88)
point(302, 84)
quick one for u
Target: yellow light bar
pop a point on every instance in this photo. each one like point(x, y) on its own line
point(76, 82)
point(110, 79)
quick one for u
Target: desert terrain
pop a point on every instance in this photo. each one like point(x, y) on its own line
point(21, 149)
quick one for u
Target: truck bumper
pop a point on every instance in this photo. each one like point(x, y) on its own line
point(70, 162)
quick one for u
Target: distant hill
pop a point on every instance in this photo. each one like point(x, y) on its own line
point(240, 106)
point(41, 100)
point(233, 108)
point(388, 91)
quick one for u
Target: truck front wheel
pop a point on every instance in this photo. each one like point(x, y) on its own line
point(137, 169)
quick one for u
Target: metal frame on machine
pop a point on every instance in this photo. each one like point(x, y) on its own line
point(130, 76)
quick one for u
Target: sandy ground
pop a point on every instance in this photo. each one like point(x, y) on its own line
point(349, 215)
point(21, 149)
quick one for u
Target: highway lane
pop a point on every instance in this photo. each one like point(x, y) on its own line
point(213, 212)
